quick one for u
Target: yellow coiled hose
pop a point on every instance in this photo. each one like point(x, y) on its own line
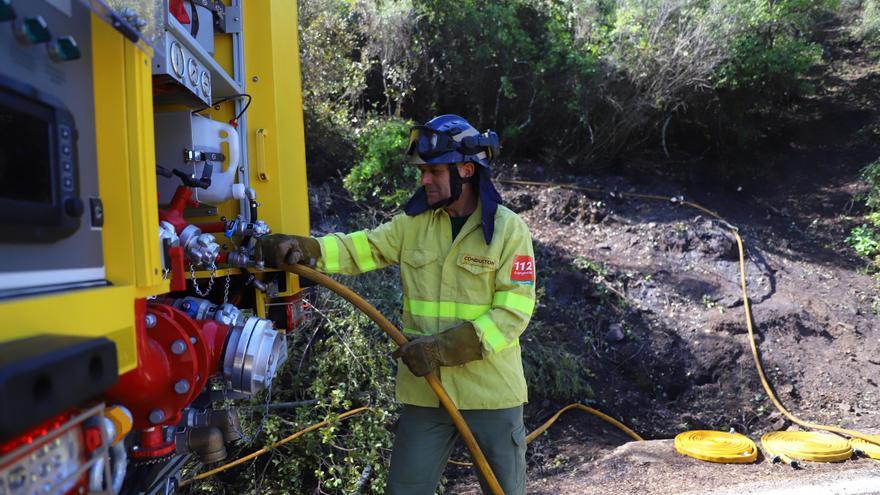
point(871, 450)
point(717, 446)
point(792, 446)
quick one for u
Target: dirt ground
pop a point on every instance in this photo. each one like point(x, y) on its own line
point(647, 293)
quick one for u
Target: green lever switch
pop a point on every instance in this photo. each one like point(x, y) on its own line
point(32, 30)
point(64, 49)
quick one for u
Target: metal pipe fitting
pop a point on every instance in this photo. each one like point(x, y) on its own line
point(224, 419)
point(254, 352)
point(201, 249)
point(205, 442)
point(203, 309)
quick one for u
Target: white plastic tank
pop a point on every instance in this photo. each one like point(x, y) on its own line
point(208, 135)
point(179, 131)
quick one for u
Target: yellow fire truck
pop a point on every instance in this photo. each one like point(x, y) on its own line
point(145, 146)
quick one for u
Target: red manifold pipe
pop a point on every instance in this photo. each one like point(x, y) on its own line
point(152, 444)
point(174, 213)
point(176, 355)
point(178, 271)
point(212, 227)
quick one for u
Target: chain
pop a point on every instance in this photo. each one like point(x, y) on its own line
point(226, 290)
point(192, 272)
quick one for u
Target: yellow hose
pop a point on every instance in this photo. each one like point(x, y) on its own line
point(757, 358)
point(874, 439)
point(792, 446)
point(871, 450)
point(541, 429)
point(717, 446)
point(275, 445)
point(400, 339)
point(712, 446)
point(533, 435)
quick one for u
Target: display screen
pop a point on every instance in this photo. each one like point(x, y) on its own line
point(25, 143)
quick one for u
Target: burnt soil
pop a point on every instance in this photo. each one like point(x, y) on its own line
point(646, 294)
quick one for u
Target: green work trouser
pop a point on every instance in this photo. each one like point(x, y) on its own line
point(424, 438)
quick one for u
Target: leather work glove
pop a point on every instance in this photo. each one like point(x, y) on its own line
point(277, 250)
point(458, 345)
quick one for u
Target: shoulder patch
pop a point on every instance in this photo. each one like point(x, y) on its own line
point(523, 270)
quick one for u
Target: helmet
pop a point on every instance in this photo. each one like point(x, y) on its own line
point(451, 139)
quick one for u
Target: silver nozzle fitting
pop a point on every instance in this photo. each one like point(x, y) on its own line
point(227, 314)
point(203, 309)
point(201, 249)
point(256, 229)
point(239, 259)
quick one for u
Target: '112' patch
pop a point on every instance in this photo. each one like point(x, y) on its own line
point(523, 271)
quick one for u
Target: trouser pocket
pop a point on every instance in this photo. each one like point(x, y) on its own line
point(519, 452)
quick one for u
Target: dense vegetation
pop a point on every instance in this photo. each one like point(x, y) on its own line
point(865, 239)
point(574, 83)
point(567, 82)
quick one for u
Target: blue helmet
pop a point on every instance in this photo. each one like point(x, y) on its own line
point(451, 139)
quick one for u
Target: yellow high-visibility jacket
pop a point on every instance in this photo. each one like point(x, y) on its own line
point(446, 282)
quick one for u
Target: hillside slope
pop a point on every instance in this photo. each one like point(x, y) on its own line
point(646, 295)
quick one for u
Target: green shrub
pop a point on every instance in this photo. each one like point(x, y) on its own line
point(528, 68)
point(867, 25)
point(332, 81)
point(865, 239)
point(871, 175)
point(553, 372)
point(342, 360)
point(383, 174)
point(767, 69)
point(771, 51)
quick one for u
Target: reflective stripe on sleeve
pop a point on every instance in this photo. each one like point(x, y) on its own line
point(364, 256)
point(330, 246)
point(444, 309)
point(492, 336)
point(514, 301)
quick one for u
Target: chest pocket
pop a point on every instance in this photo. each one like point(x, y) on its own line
point(417, 258)
point(420, 273)
point(477, 264)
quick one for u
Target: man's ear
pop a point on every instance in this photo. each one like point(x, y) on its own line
point(466, 169)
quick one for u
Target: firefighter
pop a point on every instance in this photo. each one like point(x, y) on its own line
point(468, 275)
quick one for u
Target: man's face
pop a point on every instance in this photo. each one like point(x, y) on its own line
point(435, 180)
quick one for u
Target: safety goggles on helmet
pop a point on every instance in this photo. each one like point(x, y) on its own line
point(430, 145)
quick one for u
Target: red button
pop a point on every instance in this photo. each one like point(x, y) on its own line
point(92, 438)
